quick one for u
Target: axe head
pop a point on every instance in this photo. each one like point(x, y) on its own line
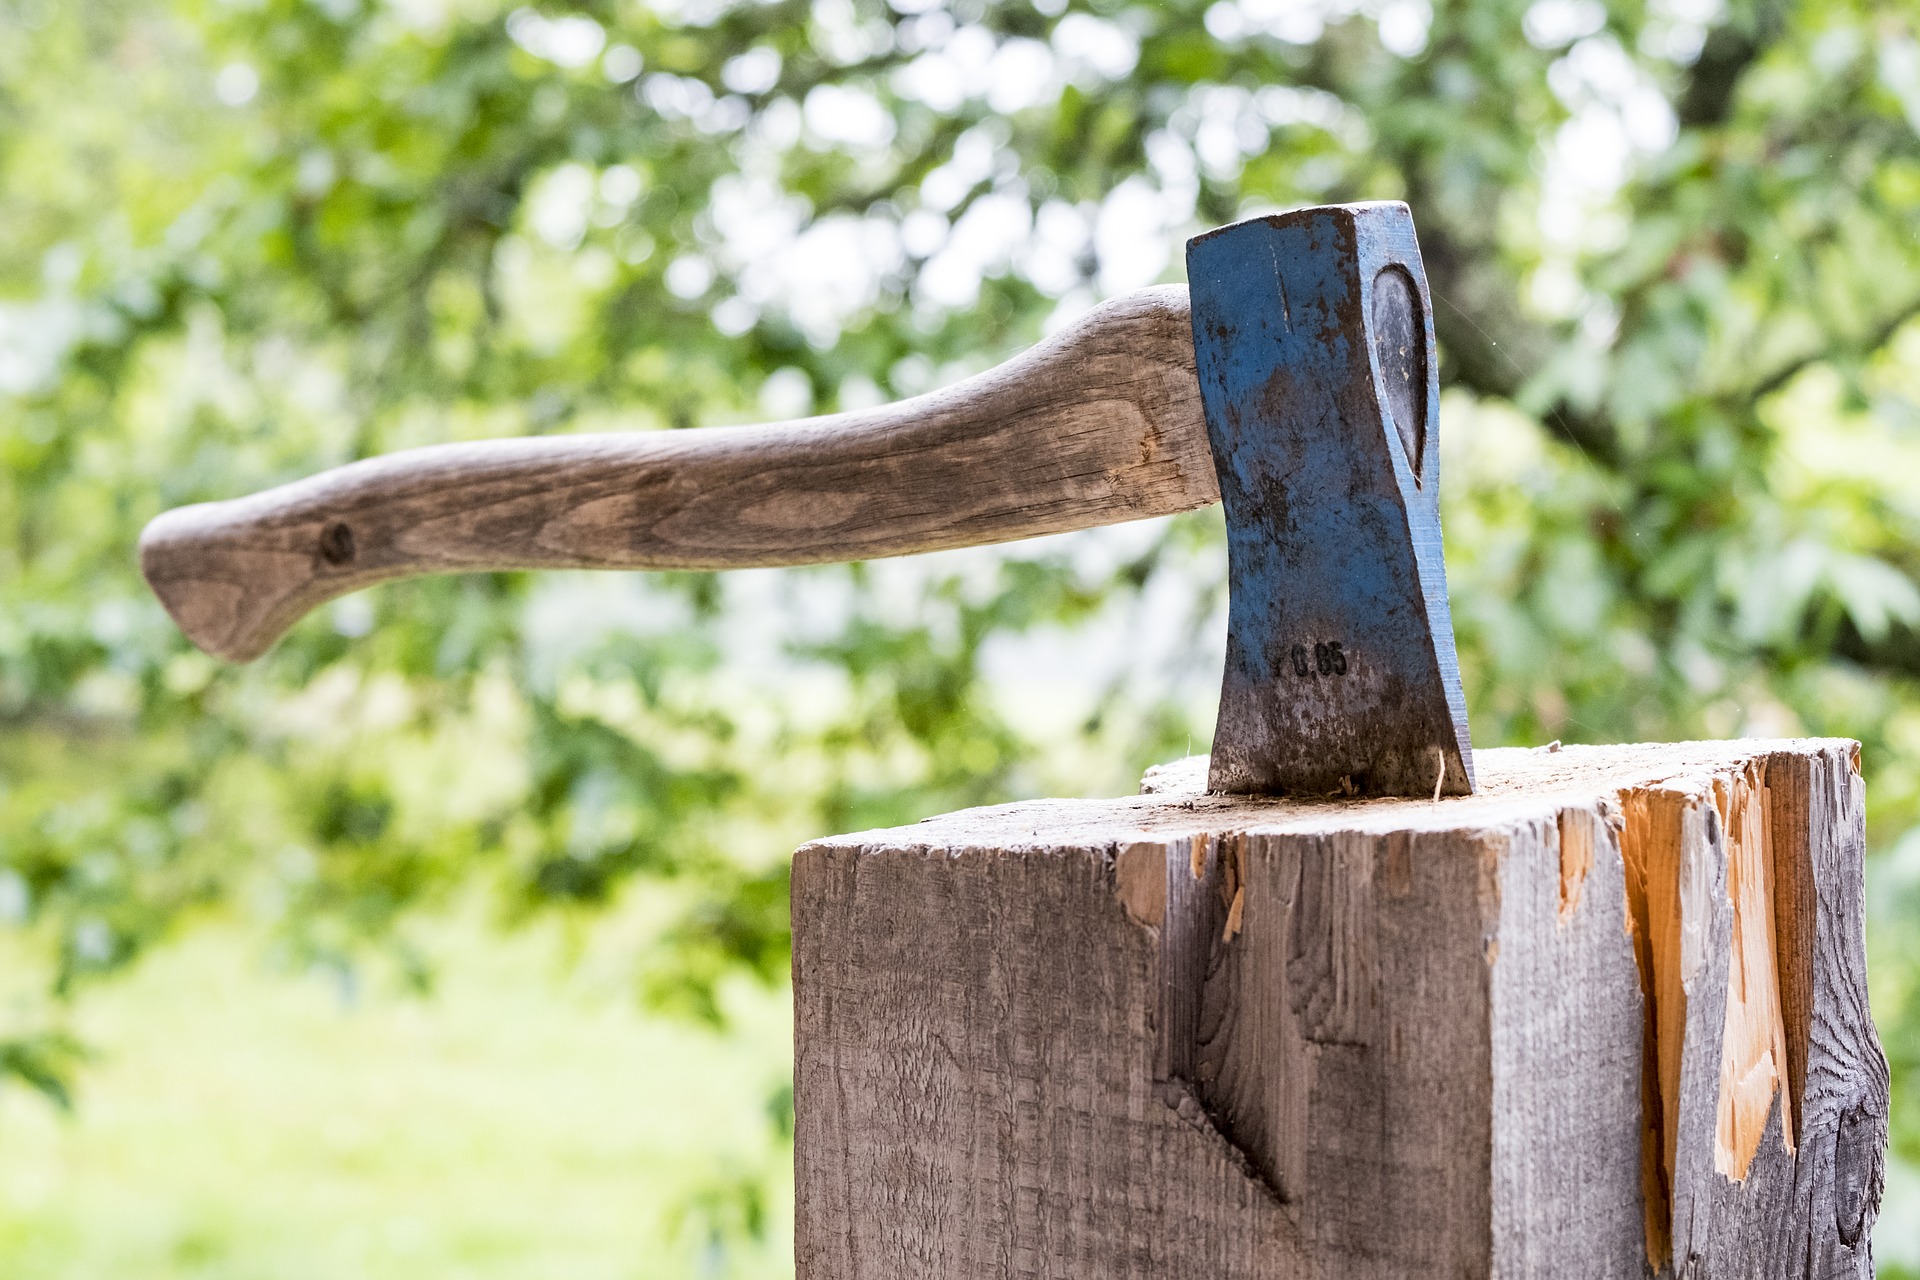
point(1313, 336)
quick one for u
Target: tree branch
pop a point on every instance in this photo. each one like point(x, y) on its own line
point(1876, 338)
point(1729, 50)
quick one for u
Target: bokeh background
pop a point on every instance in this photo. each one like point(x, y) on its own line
point(450, 938)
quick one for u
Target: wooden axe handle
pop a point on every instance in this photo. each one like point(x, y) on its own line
point(1099, 424)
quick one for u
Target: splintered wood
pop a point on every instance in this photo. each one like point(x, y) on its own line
point(1687, 844)
point(1606, 1018)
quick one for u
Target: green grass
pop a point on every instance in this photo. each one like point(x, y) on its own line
point(526, 1120)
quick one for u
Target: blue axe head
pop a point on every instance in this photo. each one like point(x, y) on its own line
point(1313, 338)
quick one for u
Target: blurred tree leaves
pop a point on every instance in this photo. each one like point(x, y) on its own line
point(45, 1062)
point(1673, 245)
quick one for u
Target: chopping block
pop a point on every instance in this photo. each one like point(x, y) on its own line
point(1607, 1017)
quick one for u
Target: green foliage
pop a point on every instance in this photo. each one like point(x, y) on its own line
point(1676, 255)
point(43, 1062)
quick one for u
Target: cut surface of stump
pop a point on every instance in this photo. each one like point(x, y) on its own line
point(1607, 1017)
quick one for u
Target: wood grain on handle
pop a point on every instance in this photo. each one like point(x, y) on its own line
point(1099, 424)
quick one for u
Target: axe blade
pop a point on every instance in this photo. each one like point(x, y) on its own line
point(1313, 337)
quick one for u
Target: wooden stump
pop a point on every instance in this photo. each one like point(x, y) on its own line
point(1607, 1017)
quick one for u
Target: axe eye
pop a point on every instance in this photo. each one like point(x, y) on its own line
point(1399, 352)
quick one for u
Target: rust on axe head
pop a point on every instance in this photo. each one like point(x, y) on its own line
point(1313, 336)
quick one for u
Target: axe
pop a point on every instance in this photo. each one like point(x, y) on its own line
point(1294, 380)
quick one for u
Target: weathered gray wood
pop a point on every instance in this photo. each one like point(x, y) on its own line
point(1566, 1022)
point(1099, 424)
point(1550, 1030)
